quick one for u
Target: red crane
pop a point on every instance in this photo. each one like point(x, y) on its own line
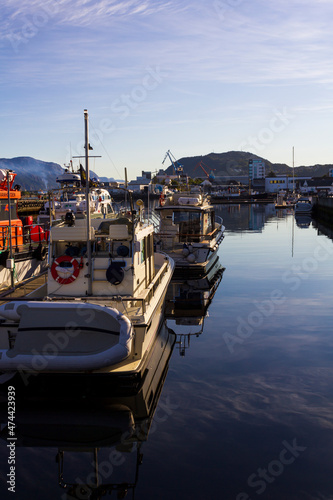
point(202, 165)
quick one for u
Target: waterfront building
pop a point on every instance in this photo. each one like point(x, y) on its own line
point(284, 182)
point(256, 169)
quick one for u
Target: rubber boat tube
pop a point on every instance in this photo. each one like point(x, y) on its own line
point(63, 362)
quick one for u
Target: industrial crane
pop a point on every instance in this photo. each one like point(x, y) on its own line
point(178, 170)
point(201, 164)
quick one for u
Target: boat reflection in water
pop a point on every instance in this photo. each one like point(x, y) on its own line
point(303, 220)
point(187, 304)
point(97, 440)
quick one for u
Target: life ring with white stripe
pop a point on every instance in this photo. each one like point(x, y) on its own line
point(55, 272)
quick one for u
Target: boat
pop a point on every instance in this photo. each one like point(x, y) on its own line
point(92, 443)
point(71, 196)
point(189, 232)
point(23, 245)
point(303, 205)
point(101, 307)
point(280, 201)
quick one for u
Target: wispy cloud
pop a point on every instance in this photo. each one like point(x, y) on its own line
point(254, 44)
point(236, 59)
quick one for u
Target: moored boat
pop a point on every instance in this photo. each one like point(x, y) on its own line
point(23, 247)
point(101, 307)
point(303, 205)
point(189, 232)
point(71, 197)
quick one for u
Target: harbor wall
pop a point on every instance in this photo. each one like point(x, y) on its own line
point(323, 209)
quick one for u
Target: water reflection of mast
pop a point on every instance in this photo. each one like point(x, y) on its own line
point(292, 228)
point(292, 236)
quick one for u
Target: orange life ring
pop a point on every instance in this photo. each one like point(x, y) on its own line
point(57, 262)
point(162, 200)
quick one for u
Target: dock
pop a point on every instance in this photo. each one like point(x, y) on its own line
point(323, 209)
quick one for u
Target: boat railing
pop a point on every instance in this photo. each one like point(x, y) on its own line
point(174, 241)
point(219, 220)
point(22, 237)
point(15, 234)
point(154, 220)
point(147, 294)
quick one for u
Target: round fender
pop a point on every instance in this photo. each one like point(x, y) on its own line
point(115, 273)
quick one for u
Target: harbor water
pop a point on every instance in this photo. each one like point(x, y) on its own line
point(244, 401)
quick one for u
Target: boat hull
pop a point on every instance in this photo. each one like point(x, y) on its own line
point(77, 336)
point(303, 206)
point(303, 209)
point(195, 270)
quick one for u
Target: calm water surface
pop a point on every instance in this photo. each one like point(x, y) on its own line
point(245, 414)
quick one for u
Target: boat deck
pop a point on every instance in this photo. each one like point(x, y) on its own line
point(23, 289)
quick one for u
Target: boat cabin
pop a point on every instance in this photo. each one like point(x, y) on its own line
point(186, 219)
point(122, 259)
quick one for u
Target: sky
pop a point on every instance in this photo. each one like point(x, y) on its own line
point(189, 76)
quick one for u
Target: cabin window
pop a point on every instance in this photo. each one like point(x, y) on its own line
point(150, 245)
point(189, 225)
point(4, 210)
point(208, 222)
point(143, 250)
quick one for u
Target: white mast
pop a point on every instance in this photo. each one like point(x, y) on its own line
point(88, 201)
point(293, 173)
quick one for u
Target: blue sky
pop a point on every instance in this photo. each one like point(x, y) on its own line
point(191, 76)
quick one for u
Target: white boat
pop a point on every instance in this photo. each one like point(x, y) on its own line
point(189, 232)
point(102, 304)
point(303, 205)
point(23, 246)
point(71, 197)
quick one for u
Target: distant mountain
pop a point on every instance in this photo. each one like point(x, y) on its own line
point(235, 163)
point(33, 175)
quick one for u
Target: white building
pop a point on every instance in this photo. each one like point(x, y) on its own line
point(256, 169)
point(140, 184)
point(283, 182)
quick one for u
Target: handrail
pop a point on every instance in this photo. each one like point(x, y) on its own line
point(191, 235)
